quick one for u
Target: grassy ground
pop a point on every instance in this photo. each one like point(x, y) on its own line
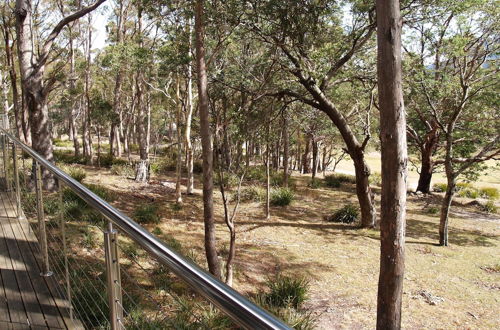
point(491, 178)
point(445, 287)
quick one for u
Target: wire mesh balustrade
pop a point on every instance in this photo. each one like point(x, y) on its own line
point(108, 270)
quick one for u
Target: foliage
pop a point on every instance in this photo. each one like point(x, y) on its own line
point(281, 196)
point(489, 207)
point(489, 193)
point(439, 187)
point(314, 184)
point(375, 179)
point(336, 180)
point(286, 291)
point(284, 298)
point(123, 170)
point(147, 213)
point(432, 210)
point(347, 214)
point(77, 173)
point(252, 193)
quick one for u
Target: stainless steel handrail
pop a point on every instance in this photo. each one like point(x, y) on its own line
point(240, 309)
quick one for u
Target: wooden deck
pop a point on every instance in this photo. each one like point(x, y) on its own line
point(27, 300)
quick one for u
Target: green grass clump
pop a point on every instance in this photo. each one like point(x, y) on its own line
point(123, 170)
point(489, 207)
point(286, 291)
point(314, 184)
point(77, 173)
point(347, 214)
point(281, 197)
point(489, 193)
point(375, 179)
point(468, 192)
point(284, 298)
point(147, 213)
point(439, 187)
point(252, 193)
point(63, 143)
point(336, 180)
point(432, 210)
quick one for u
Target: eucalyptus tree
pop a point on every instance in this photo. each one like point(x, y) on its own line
point(394, 164)
point(459, 93)
point(318, 50)
point(32, 65)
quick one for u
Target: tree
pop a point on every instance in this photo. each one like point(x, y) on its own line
point(35, 88)
point(206, 143)
point(394, 165)
point(305, 31)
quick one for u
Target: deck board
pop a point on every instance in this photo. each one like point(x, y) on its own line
point(27, 300)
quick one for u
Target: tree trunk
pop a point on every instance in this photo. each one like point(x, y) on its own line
point(285, 150)
point(394, 165)
point(427, 164)
point(363, 191)
point(178, 167)
point(189, 119)
point(206, 144)
point(315, 153)
point(72, 113)
point(425, 177)
point(445, 211)
point(306, 161)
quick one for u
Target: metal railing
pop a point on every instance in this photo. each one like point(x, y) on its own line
point(118, 262)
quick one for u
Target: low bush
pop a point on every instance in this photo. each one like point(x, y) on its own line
point(375, 179)
point(285, 296)
point(77, 173)
point(432, 210)
point(489, 207)
point(489, 193)
point(256, 173)
point(230, 180)
point(347, 214)
point(147, 213)
point(468, 192)
point(252, 193)
point(65, 157)
point(63, 143)
point(314, 184)
point(281, 197)
point(286, 291)
point(107, 160)
point(336, 180)
point(439, 187)
point(123, 170)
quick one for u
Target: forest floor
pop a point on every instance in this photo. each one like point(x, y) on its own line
point(445, 287)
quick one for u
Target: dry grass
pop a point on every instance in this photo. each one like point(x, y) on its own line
point(341, 261)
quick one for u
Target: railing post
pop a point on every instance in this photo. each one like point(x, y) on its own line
point(62, 227)
point(5, 143)
point(113, 278)
point(42, 232)
point(16, 182)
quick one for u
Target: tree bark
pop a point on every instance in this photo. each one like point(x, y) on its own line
point(178, 167)
point(189, 119)
point(306, 161)
point(285, 150)
point(206, 144)
point(394, 165)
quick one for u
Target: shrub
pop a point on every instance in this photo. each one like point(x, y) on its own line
point(256, 173)
point(439, 187)
point(375, 179)
point(432, 210)
point(252, 193)
point(281, 197)
point(77, 173)
point(230, 180)
point(489, 193)
point(122, 170)
point(62, 156)
point(107, 160)
point(314, 184)
point(464, 185)
point(489, 207)
point(163, 166)
point(197, 167)
point(63, 143)
point(347, 214)
point(285, 291)
point(147, 213)
point(336, 180)
point(468, 192)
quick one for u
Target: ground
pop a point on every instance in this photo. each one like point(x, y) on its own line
point(445, 287)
